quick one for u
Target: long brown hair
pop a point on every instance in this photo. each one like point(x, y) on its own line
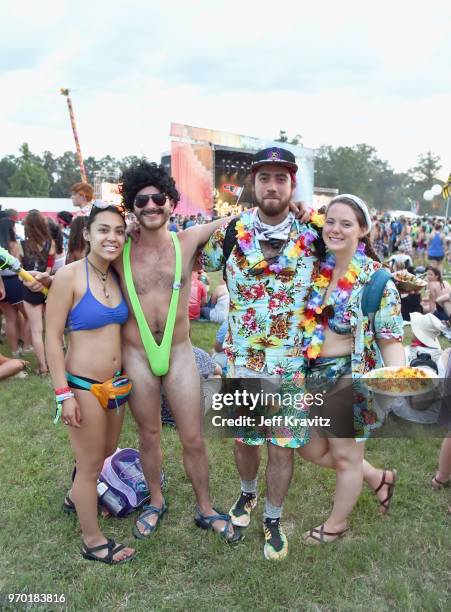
point(36, 231)
point(369, 249)
point(77, 242)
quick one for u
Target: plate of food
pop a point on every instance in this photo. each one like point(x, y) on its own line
point(401, 381)
point(408, 282)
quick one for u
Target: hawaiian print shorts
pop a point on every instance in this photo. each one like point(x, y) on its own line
point(345, 400)
point(285, 429)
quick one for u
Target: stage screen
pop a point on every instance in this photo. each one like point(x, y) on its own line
point(210, 168)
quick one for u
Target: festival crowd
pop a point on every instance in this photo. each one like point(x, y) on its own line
point(292, 305)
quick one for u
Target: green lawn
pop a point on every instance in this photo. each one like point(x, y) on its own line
point(400, 562)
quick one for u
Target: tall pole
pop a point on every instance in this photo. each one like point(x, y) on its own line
point(65, 92)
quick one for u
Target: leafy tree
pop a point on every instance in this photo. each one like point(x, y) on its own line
point(8, 166)
point(422, 176)
point(68, 173)
point(49, 163)
point(359, 170)
point(29, 179)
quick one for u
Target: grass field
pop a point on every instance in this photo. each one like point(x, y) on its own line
point(399, 562)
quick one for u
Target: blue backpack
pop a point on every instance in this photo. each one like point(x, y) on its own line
point(373, 292)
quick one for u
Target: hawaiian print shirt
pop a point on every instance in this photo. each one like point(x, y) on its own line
point(366, 356)
point(265, 308)
point(388, 323)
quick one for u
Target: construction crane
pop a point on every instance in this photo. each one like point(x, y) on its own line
point(65, 92)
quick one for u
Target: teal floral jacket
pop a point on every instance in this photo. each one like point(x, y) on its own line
point(388, 323)
point(264, 308)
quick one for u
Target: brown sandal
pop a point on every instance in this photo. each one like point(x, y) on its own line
point(385, 503)
point(312, 534)
point(439, 484)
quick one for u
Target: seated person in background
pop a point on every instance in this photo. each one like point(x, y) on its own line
point(410, 303)
point(12, 367)
point(205, 364)
point(400, 260)
point(409, 286)
point(437, 287)
point(197, 298)
point(206, 367)
point(217, 309)
point(203, 277)
point(425, 332)
point(218, 353)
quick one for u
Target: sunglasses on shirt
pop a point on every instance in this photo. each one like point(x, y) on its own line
point(256, 270)
point(157, 198)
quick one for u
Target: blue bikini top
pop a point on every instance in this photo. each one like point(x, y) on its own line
point(89, 313)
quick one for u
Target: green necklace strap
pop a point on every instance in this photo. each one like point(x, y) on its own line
point(157, 354)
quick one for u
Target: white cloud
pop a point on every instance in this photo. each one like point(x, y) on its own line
point(338, 73)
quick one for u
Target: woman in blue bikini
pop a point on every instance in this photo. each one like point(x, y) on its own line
point(86, 300)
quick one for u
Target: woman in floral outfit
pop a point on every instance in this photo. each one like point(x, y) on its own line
point(339, 342)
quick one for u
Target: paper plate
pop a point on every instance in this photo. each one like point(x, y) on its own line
point(400, 387)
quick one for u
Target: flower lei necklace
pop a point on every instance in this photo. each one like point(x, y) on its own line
point(313, 317)
point(304, 239)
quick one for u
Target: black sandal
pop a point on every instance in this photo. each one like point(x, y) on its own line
point(113, 549)
point(385, 503)
point(68, 505)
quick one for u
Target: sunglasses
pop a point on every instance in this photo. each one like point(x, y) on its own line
point(157, 198)
point(103, 205)
point(255, 270)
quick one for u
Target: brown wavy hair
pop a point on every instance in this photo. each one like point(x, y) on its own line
point(36, 231)
point(369, 249)
point(77, 242)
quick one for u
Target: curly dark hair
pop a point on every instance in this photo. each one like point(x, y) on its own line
point(145, 174)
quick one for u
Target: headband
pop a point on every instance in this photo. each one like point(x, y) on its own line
point(358, 202)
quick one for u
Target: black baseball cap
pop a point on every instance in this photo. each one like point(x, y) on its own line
point(274, 155)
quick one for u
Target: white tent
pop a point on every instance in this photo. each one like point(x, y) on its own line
point(44, 205)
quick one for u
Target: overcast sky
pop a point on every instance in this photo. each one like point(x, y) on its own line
point(337, 73)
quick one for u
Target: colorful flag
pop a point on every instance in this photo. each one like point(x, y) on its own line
point(235, 190)
point(445, 189)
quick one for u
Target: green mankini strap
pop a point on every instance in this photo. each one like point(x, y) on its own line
point(157, 354)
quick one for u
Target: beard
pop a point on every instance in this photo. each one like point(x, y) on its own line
point(273, 207)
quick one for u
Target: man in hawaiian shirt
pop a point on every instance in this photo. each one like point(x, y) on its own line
point(268, 274)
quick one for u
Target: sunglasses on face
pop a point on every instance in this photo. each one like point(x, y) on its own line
point(157, 198)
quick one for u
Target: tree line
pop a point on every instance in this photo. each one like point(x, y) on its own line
point(356, 169)
point(359, 170)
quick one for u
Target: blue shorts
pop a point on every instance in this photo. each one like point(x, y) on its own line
point(13, 290)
